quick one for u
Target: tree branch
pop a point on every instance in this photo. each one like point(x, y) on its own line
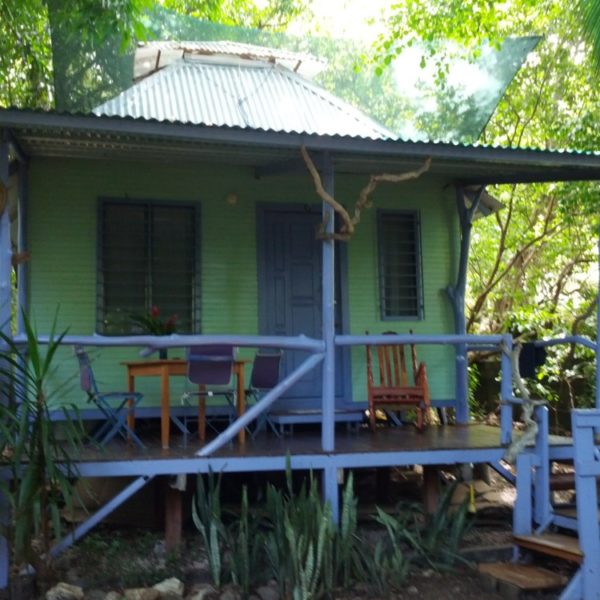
point(349, 223)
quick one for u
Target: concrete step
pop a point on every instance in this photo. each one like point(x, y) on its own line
point(552, 544)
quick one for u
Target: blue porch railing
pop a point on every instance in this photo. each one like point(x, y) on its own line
point(318, 353)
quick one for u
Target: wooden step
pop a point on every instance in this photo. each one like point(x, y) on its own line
point(552, 544)
point(562, 481)
point(514, 578)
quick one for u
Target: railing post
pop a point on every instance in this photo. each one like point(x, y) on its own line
point(522, 513)
point(330, 491)
point(542, 507)
point(328, 285)
point(598, 334)
point(506, 391)
point(587, 498)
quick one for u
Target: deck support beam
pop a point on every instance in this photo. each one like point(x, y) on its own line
point(101, 514)
point(328, 284)
point(22, 266)
point(5, 308)
point(456, 294)
point(5, 246)
point(173, 517)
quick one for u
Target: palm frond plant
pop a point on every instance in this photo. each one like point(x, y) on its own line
point(41, 463)
point(590, 20)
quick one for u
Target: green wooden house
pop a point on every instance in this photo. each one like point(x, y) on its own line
point(190, 192)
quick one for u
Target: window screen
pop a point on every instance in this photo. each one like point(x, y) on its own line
point(147, 257)
point(399, 265)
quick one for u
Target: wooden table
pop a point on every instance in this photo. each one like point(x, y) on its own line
point(169, 367)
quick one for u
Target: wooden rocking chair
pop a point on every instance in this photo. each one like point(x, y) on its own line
point(392, 389)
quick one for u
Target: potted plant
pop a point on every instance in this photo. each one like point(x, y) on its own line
point(153, 324)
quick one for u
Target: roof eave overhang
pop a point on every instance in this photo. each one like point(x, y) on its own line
point(533, 165)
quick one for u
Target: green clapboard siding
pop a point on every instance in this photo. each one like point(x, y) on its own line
point(62, 233)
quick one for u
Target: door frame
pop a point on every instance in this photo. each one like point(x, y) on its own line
point(345, 394)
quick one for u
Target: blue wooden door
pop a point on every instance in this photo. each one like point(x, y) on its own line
point(290, 296)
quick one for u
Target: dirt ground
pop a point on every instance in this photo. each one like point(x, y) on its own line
point(115, 556)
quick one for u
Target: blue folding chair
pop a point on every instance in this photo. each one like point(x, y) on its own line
point(116, 407)
point(208, 366)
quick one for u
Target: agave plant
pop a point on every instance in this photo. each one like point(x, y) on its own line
point(41, 464)
point(206, 514)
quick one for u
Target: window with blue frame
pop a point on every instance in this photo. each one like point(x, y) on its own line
point(148, 256)
point(400, 280)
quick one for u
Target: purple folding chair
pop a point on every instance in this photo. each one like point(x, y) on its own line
point(114, 406)
point(265, 376)
point(208, 366)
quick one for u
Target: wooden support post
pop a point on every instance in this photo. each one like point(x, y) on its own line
point(173, 517)
point(431, 488)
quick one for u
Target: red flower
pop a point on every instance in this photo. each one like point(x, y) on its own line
point(153, 324)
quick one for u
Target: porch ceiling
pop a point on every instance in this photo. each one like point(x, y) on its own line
point(56, 135)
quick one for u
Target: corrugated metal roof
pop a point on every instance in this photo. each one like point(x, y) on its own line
point(52, 134)
point(266, 97)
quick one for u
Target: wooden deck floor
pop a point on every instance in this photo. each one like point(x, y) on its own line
point(388, 446)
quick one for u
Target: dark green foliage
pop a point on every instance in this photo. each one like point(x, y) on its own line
point(299, 540)
point(291, 538)
point(433, 539)
point(246, 561)
point(41, 461)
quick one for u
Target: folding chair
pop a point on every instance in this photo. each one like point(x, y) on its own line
point(116, 407)
point(208, 366)
point(265, 376)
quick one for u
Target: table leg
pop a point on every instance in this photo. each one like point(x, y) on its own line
point(241, 401)
point(164, 408)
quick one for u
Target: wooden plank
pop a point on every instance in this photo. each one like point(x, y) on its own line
point(525, 577)
point(562, 481)
point(553, 544)
point(569, 511)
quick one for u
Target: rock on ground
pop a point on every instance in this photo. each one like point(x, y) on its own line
point(65, 591)
point(202, 591)
point(170, 589)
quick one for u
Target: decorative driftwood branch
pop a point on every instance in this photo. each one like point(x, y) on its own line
point(349, 222)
